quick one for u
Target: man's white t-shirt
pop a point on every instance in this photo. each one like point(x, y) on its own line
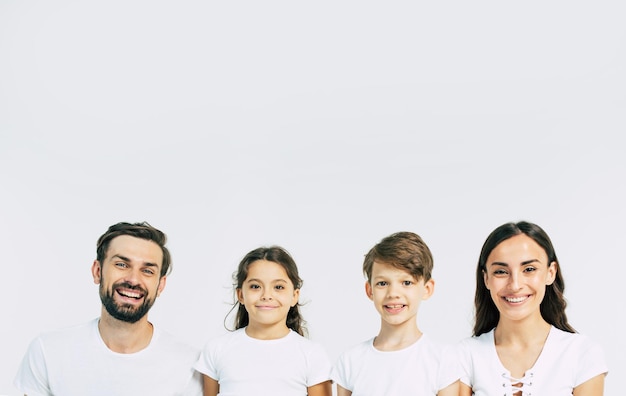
point(76, 362)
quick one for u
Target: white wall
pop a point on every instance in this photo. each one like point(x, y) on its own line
point(322, 127)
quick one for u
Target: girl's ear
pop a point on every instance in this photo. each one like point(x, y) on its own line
point(239, 296)
point(296, 296)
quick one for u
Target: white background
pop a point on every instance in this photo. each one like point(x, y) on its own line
point(319, 126)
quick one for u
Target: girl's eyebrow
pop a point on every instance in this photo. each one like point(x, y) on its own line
point(260, 281)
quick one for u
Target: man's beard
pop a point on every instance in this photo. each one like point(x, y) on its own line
point(124, 312)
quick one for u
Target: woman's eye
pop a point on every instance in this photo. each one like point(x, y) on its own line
point(530, 269)
point(499, 272)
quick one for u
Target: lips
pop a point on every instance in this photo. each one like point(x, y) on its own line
point(129, 292)
point(516, 300)
point(394, 308)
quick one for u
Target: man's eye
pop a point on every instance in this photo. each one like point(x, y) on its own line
point(148, 272)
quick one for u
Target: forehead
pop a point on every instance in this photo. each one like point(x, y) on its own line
point(135, 249)
point(264, 269)
point(388, 270)
point(516, 249)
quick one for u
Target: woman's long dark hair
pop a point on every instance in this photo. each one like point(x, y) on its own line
point(553, 305)
point(280, 256)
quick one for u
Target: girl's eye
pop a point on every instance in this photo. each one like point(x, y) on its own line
point(280, 287)
point(253, 286)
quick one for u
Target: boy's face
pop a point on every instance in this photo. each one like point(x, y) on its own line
point(397, 294)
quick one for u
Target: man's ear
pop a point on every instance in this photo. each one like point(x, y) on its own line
point(161, 286)
point(96, 272)
point(368, 290)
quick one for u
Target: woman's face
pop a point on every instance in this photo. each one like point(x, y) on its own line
point(516, 273)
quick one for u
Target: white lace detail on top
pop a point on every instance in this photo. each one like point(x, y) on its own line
point(512, 386)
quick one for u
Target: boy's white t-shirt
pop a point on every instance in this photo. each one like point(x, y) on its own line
point(76, 362)
point(566, 361)
point(243, 365)
point(423, 368)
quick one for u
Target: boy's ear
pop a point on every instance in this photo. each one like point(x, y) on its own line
point(368, 290)
point(429, 289)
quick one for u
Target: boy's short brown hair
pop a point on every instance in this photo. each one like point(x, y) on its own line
point(403, 250)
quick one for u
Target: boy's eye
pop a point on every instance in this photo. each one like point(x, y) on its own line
point(407, 283)
point(381, 283)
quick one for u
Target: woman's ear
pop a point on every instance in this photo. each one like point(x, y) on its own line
point(552, 270)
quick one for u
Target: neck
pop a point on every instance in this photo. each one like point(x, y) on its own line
point(123, 337)
point(396, 337)
point(528, 331)
point(265, 332)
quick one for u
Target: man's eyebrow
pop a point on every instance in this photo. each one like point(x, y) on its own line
point(126, 259)
point(120, 257)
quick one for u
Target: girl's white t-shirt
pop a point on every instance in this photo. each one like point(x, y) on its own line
point(566, 361)
point(243, 365)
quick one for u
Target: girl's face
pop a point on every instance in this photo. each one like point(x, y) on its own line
point(516, 274)
point(267, 294)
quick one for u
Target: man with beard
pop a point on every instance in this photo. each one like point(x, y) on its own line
point(120, 353)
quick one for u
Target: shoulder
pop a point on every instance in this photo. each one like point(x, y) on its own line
point(572, 342)
point(304, 344)
point(357, 351)
point(70, 333)
point(172, 345)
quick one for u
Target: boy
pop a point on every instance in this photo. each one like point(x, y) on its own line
point(400, 360)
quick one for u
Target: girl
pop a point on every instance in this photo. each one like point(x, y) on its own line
point(522, 342)
point(267, 352)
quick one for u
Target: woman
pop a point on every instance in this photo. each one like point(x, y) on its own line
point(522, 342)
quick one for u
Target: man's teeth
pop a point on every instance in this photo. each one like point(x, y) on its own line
point(130, 294)
point(515, 299)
